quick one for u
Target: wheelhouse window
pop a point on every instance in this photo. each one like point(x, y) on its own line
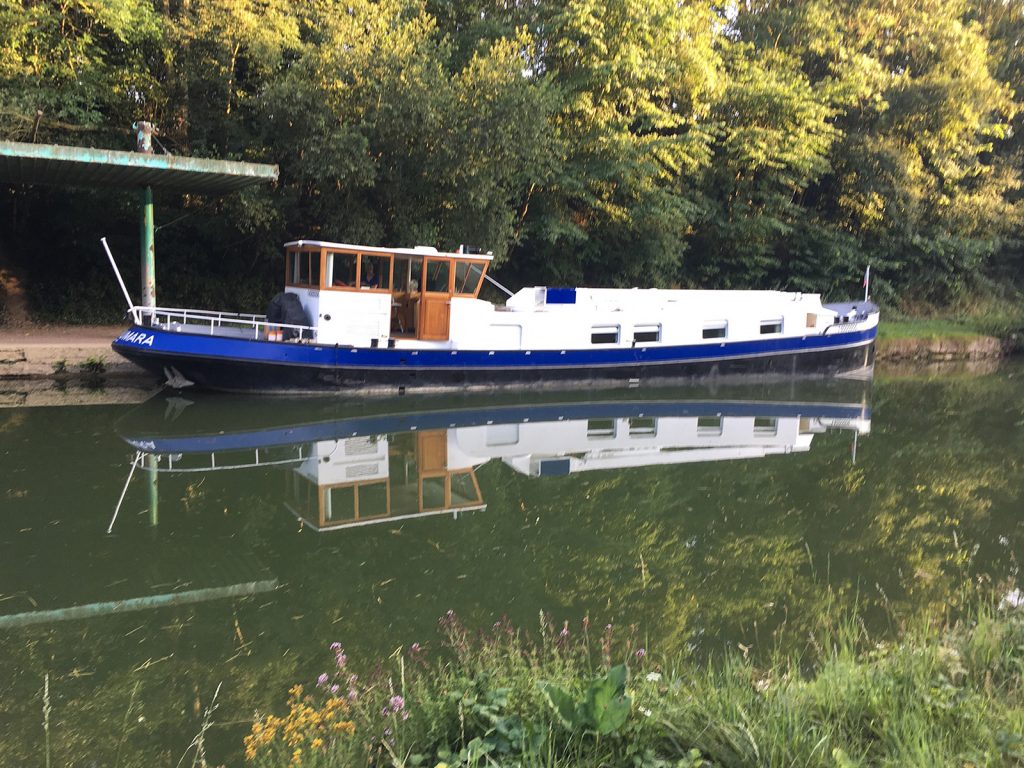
point(766, 426)
point(771, 326)
point(438, 272)
point(716, 330)
point(647, 333)
point(342, 269)
point(407, 274)
point(375, 271)
point(608, 334)
point(467, 277)
point(303, 268)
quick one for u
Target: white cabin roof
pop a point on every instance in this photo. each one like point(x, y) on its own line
point(418, 251)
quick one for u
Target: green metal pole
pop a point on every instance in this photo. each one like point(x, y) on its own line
point(148, 249)
point(154, 490)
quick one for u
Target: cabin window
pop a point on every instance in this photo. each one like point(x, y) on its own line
point(643, 426)
point(812, 320)
point(600, 427)
point(715, 330)
point(341, 270)
point(438, 272)
point(304, 268)
point(766, 426)
point(646, 333)
point(771, 326)
point(406, 278)
point(709, 425)
point(467, 277)
point(604, 334)
point(375, 272)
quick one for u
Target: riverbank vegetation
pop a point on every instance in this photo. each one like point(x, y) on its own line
point(783, 144)
point(939, 694)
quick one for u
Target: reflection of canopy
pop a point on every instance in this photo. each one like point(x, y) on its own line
point(91, 610)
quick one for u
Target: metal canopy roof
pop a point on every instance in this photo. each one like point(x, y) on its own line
point(22, 163)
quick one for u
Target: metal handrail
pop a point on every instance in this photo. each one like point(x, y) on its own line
point(169, 316)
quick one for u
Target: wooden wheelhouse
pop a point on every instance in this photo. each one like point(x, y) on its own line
point(354, 291)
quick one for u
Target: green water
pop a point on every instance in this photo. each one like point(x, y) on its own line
point(704, 519)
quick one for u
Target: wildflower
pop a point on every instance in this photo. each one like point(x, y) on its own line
point(397, 703)
point(335, 688)
point(653, 677)
point(640, 653)
point(405, 716)
point(415, 648)
point(335, 646)
point(322, 680)
point(1012, 599)
point(565, 631)
point(384, 712)
point(340, 658)
point(645, 712)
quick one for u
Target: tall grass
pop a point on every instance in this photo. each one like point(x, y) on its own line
point(940, 694)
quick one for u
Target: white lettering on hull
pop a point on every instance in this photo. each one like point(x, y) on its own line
point(140, 338)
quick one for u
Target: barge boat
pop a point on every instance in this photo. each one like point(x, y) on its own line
point(389, 320)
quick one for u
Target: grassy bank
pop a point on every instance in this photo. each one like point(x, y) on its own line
point(946, 694)
point(972, 333)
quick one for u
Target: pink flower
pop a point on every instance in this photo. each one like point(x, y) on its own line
point(322, 680)
point(397, 703)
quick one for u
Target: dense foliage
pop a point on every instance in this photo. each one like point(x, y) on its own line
point(618, 142)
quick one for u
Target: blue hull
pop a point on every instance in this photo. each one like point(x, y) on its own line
point(264, 366)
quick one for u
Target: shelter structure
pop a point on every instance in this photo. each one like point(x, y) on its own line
point(64, 166)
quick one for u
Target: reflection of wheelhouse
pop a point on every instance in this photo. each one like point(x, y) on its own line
point(370, 479)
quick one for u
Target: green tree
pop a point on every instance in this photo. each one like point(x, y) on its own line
point(635, 80)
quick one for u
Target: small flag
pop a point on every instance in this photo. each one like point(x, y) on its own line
point(867, 281)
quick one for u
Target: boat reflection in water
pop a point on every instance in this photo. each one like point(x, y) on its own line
point(413, 458)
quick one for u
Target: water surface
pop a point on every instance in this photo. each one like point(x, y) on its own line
point(254, 532)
